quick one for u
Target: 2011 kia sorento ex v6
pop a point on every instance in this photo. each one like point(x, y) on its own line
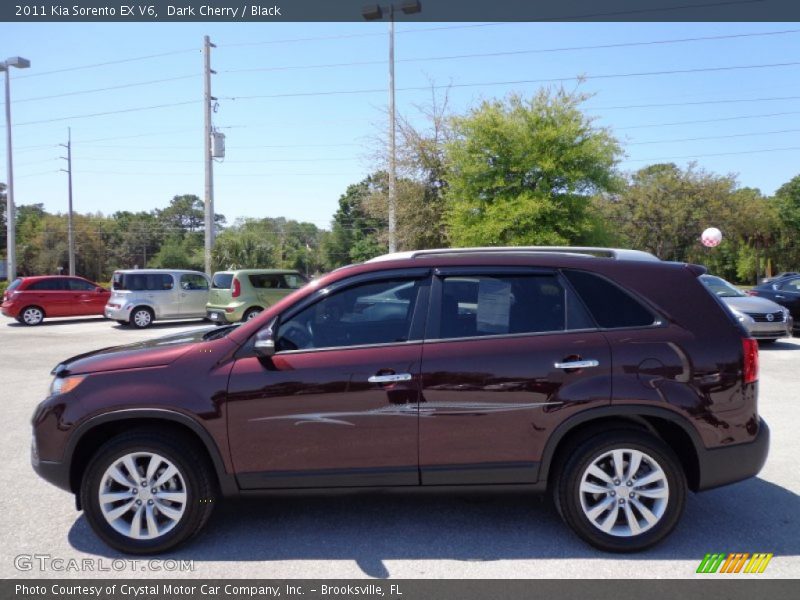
point(610, 379)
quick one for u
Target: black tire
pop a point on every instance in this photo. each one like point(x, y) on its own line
point(570, 502)
point(123, 323)
point(196, 473)
point(138, 318)
point(251, 313)
point(31, 315)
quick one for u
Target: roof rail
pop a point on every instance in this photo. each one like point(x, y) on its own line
point(615, 253)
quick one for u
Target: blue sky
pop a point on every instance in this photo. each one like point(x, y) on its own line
point(293, 155)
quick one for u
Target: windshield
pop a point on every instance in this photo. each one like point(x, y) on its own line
point(721, 288)
point(14, 285)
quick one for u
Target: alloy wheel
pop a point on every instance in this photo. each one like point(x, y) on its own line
point(624, 492)
point(32, 316)
point(142, 495)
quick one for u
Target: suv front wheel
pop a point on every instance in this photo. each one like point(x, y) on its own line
point(145, 492)
point(621, 491)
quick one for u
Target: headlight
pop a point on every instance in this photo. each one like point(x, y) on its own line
point(62, 385)
point(740, 316)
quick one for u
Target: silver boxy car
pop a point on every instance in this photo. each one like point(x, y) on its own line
point(764, 319)
point(141, 296)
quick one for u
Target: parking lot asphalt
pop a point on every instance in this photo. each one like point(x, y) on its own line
point(380, 535)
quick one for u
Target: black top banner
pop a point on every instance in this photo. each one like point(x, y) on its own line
point(401, 10)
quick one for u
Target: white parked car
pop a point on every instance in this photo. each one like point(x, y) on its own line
point(141, 296)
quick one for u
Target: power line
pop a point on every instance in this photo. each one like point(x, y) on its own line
point(105, 64)
point(760, 151)
point(698, 103)
point(516, 52)
point(111, 112)
point(232, 161)
point(110, 88)
point(714, 137)
point(522, 81)
point(737, 118)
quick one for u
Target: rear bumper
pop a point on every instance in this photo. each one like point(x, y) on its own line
point(10, 310)
point(117, 314)
point(220, 316)
point(721, 466)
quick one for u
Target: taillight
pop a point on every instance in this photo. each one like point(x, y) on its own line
point(750, 347)
point(237, 288)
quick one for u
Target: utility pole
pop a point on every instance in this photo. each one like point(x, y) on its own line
point(70, 227)
point(207, 158)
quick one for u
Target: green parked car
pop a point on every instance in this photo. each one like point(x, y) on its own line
point(240, 295)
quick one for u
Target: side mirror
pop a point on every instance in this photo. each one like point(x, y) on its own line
point(99, 290)
point(265, 340)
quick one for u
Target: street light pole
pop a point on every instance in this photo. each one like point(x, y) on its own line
point(11, 251)
point(371, 13)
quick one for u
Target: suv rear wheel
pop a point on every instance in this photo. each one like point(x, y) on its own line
point(146, 492)
point(621, 491)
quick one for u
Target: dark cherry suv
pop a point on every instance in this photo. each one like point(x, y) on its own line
point(613, 380)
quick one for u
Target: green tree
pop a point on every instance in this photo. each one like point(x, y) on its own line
point(355, 230)
point(522, 171)
point(787, 204)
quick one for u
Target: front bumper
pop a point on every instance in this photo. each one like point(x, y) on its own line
point(770, 331)
point(721, 466)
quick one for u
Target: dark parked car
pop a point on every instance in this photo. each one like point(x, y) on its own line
point(609, 379)
point(785, 291)
point(762, 318)
point(30, 299)
point(780, 276)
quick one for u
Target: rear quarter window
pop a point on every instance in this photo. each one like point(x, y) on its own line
point(222, 281)
point(611, 306)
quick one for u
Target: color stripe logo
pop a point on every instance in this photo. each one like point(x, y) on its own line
point(735, 562)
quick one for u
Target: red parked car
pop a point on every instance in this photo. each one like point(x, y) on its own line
point(30, 299)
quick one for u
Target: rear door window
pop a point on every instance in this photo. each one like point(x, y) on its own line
point(79, 285)
point(193, 282)
point(473, 306)
point(263, 281)
point(294, 281)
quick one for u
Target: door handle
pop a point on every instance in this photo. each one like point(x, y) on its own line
point(780, 296)
point(393, 378)
point(577, 364)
